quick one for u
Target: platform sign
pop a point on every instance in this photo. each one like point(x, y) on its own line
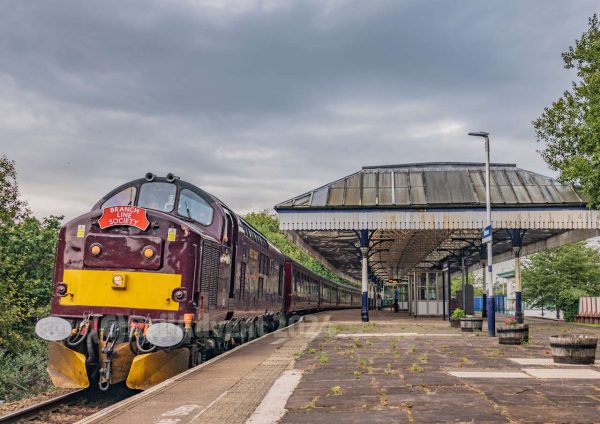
point(486, 234)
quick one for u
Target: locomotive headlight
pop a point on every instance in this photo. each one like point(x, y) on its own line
point(95, 249)
point(179, 294)
point(148, 252)
point(118, 281)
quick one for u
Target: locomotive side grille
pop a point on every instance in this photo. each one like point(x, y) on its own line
point(210, 271)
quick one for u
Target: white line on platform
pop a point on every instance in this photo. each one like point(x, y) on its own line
point(349, 335)
point(548, 361)
point(209, 405)
point(272, 407)
point(488, 374)
point(278, 341)
point(572, 373)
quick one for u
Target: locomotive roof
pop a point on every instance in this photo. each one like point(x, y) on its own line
point(182, 183)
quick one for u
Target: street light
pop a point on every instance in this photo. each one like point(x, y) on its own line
point(491, 304)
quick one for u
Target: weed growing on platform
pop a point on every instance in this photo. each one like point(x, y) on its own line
point(423, 358)
point(444, 346)
point(388, 369)
point(413, 348)
point(323, 359)
point(357, 343)
point(356, 374)
point(336, 390)
point(312, 404)
point(298, 355)
point(466, 360)
point(498, 352)
point(362, 363)
point(370, 370)
point(415, 368)
point(394, 343)
point(312, 350)
point(396, 354)
point(383, 400)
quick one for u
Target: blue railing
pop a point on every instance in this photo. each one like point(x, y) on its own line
point(499, 300)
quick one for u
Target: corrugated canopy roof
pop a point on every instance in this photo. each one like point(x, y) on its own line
point(437, 185)
point(423, 215)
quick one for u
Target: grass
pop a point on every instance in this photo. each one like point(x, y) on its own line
point(370, 370)
point(415, 368)
point(312, 350)
point(323, 358)
point(423, 358)
point(383, 400)
point(388, 369)
point(312, 404)
point(357, 343)
point(396, 354)
point(336, 390)
point(413, 348)
point(357, 374)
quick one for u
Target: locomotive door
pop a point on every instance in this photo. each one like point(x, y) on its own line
point(230, 240)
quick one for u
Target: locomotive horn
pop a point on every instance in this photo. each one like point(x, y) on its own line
point(149, 176)
point(170, 177)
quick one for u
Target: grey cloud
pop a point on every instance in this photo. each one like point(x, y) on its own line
point(259, 101)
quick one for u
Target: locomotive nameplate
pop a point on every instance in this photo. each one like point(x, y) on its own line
point(131, 216)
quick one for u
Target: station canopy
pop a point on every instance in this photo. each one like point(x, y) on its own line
point(426, 215)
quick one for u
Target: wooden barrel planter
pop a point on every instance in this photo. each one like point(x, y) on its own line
point(513, 334)
point(573, 349)
point(470, 324)
point(455, 322)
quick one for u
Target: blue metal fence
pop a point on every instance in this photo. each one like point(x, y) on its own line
point(499, 300)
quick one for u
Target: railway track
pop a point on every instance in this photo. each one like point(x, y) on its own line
point(68, 408)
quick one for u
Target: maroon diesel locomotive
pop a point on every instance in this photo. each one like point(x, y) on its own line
point(161, 275)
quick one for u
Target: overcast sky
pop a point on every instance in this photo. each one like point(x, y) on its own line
point(259, 101)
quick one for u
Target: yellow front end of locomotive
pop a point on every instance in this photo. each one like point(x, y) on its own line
point(120, 289)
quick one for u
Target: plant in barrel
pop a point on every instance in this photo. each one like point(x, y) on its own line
point(511, 332)
point(457, 314)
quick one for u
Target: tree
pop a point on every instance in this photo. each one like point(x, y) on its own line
point(570, 128)
point(268, 225)
point(27, 247)
point(12, 208)
point(557, 278)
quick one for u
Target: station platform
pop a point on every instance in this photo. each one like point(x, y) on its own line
point(394, 369)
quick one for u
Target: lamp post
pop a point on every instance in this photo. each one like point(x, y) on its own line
point(491, 305)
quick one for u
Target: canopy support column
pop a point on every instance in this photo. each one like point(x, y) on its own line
point(516, 237)
point(364, 256)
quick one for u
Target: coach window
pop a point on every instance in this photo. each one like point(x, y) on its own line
point(125, 197)
point(194, 207)
point(157, 196)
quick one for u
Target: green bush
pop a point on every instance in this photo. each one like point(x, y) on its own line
point(568, 302)
point(458, 313)
point(24, 374)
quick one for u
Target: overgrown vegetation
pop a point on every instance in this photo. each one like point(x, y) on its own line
point(267, 223)
point(27, 247)
point(556, 279)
